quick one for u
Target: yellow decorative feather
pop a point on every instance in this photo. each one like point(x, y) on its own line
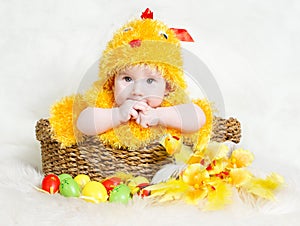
point(169, 191)
point(220, 194)
point(264, 187)
point(241, 158)
point(240, 177)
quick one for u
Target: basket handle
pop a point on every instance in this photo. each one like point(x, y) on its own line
point(43, 130)
point(226, 130)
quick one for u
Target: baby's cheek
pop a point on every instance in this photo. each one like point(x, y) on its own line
point(154, 102)
point(119, 98)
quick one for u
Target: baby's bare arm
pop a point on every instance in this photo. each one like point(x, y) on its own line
point(92, 121)
point(186, 117)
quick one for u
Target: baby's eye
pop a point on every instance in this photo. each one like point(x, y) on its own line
point(128, 29)
point(127, 79)
point(150, 80)
point(163, 34)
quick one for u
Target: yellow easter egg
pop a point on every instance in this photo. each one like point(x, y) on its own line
point(82, 180)
point(134, 182)
point(94, 192)
point(140, 180)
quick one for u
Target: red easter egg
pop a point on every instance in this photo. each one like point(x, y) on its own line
point(111, 183)
point(143, 192)
point(51, 183)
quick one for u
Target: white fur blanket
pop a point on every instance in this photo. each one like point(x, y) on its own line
point(251, 47)
point(22, 204)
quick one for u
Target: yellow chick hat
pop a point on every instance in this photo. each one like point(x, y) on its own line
point(146, 41)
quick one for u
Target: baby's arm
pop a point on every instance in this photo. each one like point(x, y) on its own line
point(93, 121)
point(186, 117)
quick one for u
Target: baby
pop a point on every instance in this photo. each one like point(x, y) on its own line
point(138, 93)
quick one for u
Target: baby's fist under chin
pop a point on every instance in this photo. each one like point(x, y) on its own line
point(148, 118)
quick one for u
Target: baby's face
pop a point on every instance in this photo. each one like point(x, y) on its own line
point(140, 83)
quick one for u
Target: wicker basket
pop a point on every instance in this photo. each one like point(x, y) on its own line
point(93, 158)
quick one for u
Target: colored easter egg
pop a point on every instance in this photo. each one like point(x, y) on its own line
point(94, 192)
point(143, 185)
point(82, 180)
point(120, 194)
point(140, 180)
point(111, 183)
point(51, 183)
point(64, 176)
point(134, 182)
point(137, 180)
point(69, 188)
point(143, 192)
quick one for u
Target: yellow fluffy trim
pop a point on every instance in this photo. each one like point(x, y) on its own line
point(205, 131)
point(63, 117)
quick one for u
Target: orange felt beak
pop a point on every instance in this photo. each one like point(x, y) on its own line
point(182, 34)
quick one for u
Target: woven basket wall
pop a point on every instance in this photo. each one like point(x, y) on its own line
point(93, 158)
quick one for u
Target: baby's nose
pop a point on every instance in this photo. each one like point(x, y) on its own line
point(137, 89)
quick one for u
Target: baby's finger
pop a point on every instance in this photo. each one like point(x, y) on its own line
point(143, 120)
point(138, 119)
point(134, 114)
point(141, 106)
point(144, 125)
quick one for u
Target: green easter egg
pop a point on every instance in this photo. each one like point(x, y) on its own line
point(120, 194)
point(69, 188)
point(64, 176)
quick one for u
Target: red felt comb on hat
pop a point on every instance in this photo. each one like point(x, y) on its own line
point(147, 14)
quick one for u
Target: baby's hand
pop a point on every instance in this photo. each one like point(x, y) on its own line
point(130, 109)
point(141, 106)
point(126, 111)
point(148, 118)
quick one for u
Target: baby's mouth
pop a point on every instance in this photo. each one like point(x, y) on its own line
point(138, 99)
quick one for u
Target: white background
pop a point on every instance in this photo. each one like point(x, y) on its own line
point(251, 46)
